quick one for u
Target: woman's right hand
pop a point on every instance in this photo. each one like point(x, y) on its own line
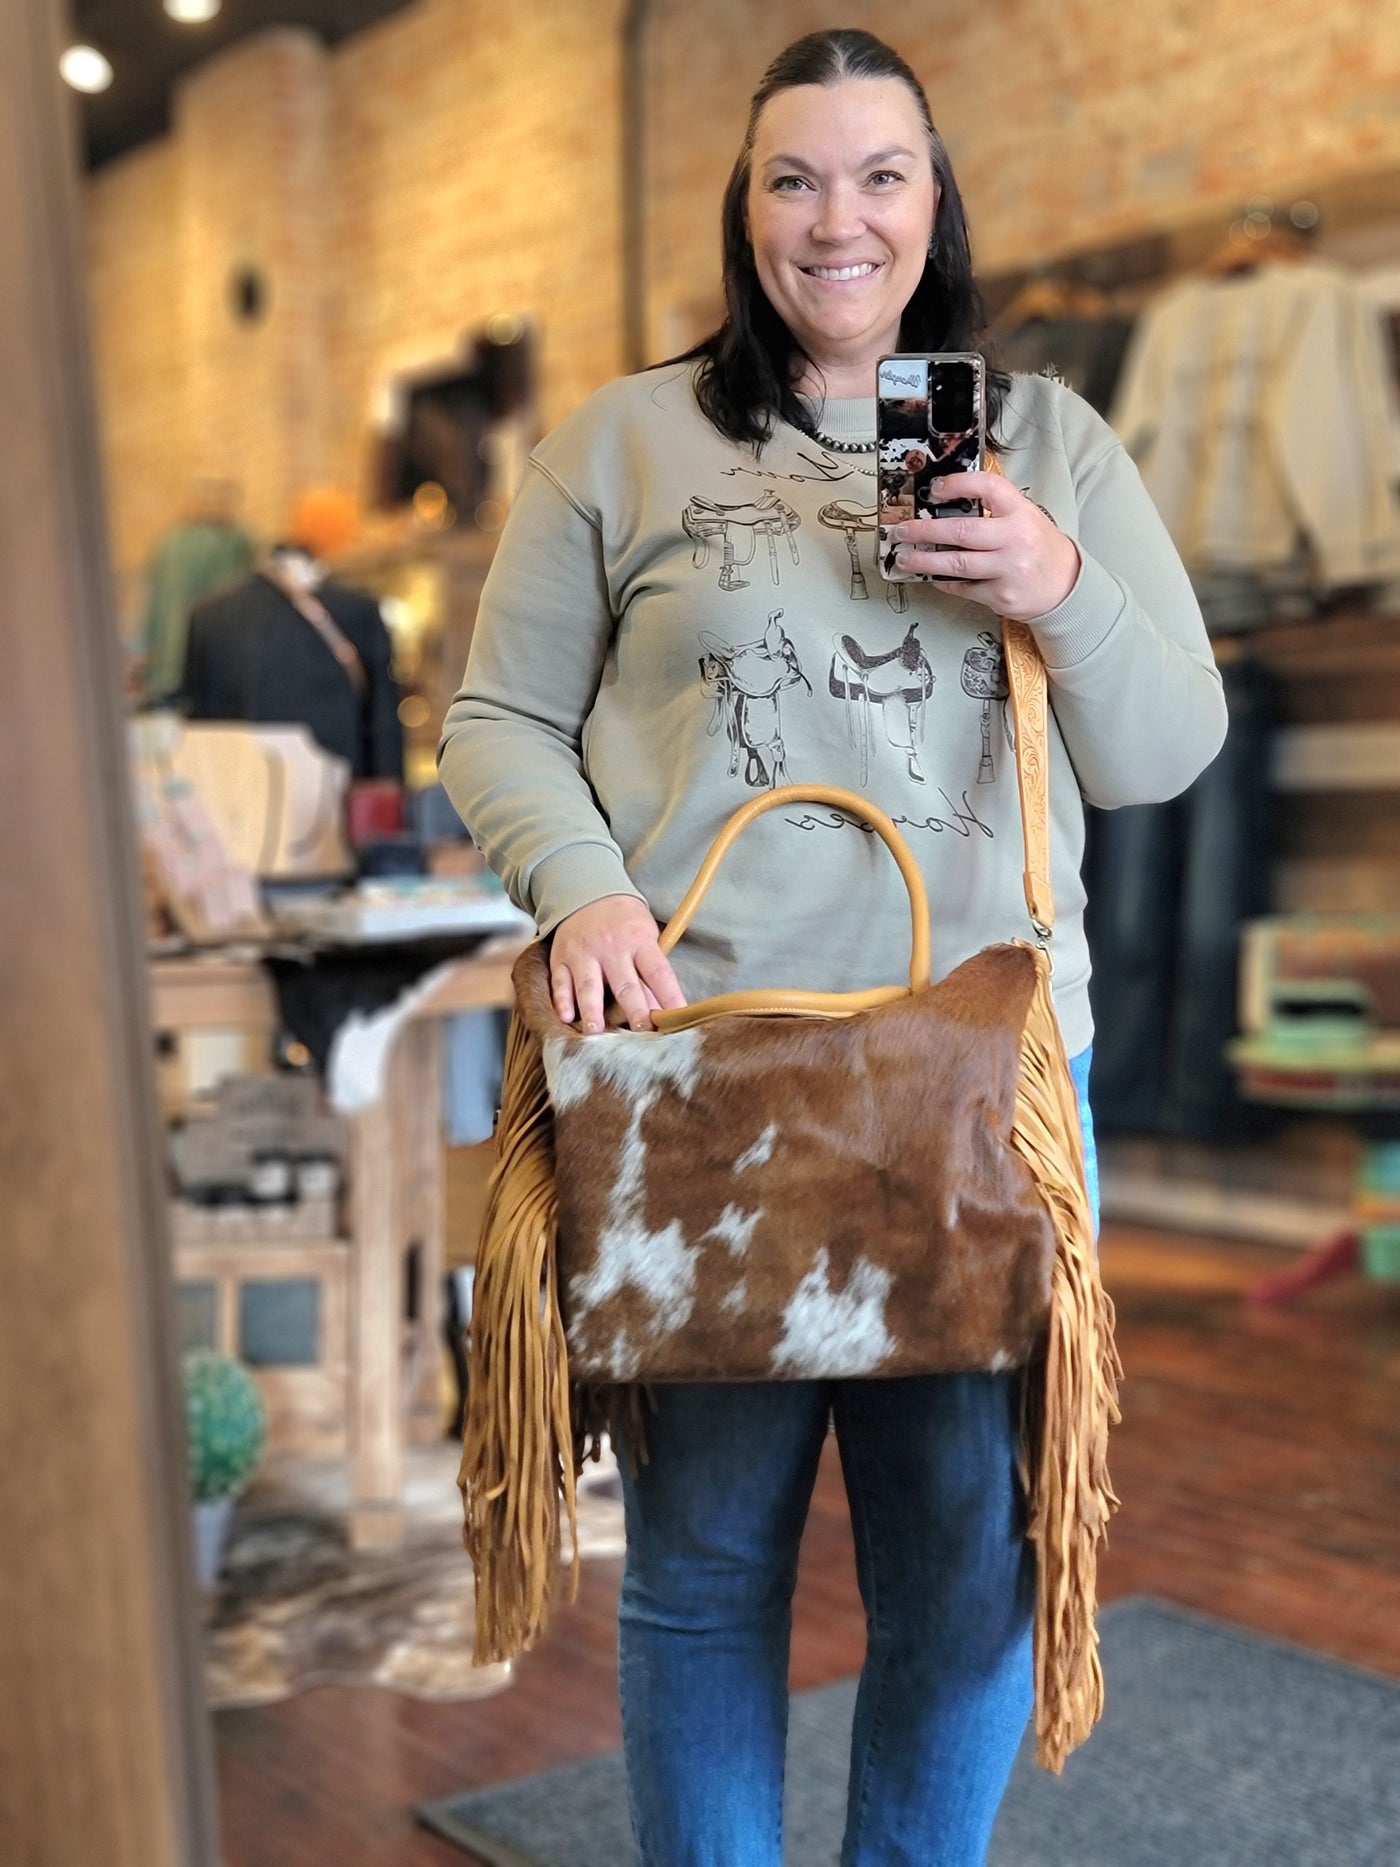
point(612, 944)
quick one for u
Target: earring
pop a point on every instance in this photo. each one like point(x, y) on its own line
point(933, 246)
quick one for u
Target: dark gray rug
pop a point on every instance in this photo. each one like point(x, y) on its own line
point(1217, 1749)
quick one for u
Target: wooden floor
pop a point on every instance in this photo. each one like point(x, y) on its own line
point(1259, 1466)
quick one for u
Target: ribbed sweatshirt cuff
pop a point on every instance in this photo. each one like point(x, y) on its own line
point(1070, 632)
point(572, 877)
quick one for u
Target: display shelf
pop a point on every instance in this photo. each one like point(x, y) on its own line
point(370, 1302)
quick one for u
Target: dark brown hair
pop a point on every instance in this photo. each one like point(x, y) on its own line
point(745, 380)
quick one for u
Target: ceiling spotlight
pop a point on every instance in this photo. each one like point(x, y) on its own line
point(192, 12)
point(85, 69)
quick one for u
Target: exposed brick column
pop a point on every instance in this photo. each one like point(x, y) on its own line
point(251, 131)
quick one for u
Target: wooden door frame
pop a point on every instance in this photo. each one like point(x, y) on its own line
point(104, 1736)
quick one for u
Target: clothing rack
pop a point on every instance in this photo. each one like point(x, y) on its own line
point(1130, 270)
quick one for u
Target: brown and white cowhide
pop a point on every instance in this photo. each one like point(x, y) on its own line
point(296, 1607)
point(799, 1198)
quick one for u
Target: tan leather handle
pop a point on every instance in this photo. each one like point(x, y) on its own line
point(838, 799)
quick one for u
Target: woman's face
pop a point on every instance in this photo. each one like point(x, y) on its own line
point(840, 209)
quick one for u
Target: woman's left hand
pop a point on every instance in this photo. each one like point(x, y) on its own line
point(1016, 560)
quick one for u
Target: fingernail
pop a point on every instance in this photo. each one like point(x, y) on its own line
point(936, 486)
point(594, 1024)
point(898, 532)
point(901, 558)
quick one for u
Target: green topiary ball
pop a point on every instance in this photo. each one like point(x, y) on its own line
point(225, 1423)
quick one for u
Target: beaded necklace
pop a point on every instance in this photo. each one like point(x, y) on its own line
point(843, 447)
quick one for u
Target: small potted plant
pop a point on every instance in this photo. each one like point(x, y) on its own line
point(225, 1427)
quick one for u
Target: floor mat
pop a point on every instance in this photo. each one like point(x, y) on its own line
point(1217, 1749)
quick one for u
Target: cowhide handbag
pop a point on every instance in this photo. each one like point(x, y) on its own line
point(792, 1185)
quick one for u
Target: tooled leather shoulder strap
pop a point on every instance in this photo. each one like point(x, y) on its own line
point(1025, 675)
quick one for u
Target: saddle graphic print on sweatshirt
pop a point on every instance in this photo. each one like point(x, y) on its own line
point(898, 683)
point(844, 515)
point(738, 529)
point(747, 681)
point(984, 678)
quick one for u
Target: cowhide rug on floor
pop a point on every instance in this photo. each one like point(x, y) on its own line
point(296, 1607)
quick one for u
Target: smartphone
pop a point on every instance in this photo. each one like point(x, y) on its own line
point(930, 421)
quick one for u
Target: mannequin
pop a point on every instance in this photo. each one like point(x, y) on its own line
point(291, 644)
point(207, 551)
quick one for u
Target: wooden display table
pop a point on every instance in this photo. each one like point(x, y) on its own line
point(393, 1311)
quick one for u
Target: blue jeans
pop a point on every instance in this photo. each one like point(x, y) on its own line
point(714, 1519)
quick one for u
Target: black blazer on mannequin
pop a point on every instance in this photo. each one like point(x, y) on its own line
point(251, 656)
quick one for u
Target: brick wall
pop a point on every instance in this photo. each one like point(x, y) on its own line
point(139, 350)
point(462, 159)
point(474, 170)
point(1069, 122)
point(459, 160)
point(250, 129)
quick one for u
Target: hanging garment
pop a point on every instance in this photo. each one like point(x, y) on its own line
point(1132, 868)
point(253, 656)
point(1225, 881)
point(473, 1063)
point(1085, 353)
point(1170, 887)
point(194, 561)
point(332, 1001)
point(1259, 410)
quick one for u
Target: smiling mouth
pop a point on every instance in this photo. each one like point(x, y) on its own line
point(839, 275)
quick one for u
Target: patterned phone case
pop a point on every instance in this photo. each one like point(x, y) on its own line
point(930, 421)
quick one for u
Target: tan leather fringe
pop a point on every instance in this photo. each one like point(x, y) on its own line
point(526, 1434)
point(520, 1449)
point(1070, 1400)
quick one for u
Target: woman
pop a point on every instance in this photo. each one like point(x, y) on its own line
point(621, 696)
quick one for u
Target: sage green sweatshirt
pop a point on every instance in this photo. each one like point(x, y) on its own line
point(672, 624)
